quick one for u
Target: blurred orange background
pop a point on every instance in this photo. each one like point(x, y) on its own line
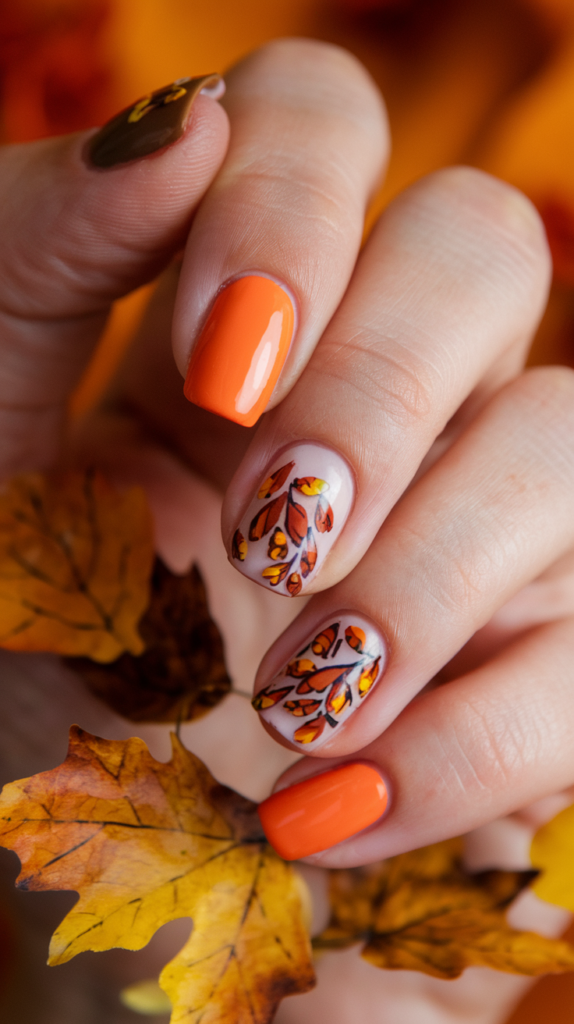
point(485, 82)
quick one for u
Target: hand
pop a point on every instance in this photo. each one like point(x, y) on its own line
point(453, 469)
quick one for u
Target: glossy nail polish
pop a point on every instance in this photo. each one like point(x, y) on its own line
point(294, 519)
point(154, 122)
point(325, 682)
point(240, 353)
point(324, 810)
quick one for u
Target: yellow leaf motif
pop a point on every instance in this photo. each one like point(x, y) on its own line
point(552, 852)
point(75, 563)
point(144, 843)
point(310, 485)
point(422, 911)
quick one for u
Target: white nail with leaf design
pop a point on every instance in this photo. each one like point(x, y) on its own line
point(325, 682)
point(294, 519)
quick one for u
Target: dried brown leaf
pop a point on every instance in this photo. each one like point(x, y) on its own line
point(181, 674)
point(422, 911)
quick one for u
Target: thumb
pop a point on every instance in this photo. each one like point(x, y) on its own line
point(84, 219)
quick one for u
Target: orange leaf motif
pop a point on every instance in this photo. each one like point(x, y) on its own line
point(296, 521)
point(239, 546)
point(143, 843)
point(300, 708)
point(277, 545)
point(310, 731)
point(309, 555)
point(275, 574)
point(323, 678)
point(339, 698)
point(300, 667)
point(267, 518)
point(268, 698)
point(368, 677)
point(323, 516)
point(75, 562)
point(294, 584)
point(310, 485)
point(324, 641)
point(355, 638)
point(275, 481)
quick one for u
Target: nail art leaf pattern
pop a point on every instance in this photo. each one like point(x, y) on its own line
point(322, 689)
point(293, 533)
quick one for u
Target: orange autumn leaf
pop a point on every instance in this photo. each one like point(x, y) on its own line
point(310, 485)
point(144, 843)
point(265, 520)
point(275, 481)
point(324, 641)
point(296, 521)
point(423, 911)
point(75, 562)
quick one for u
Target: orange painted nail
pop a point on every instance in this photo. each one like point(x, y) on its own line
point(321, 811)
point(241, 350)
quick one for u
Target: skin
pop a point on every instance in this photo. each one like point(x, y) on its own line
point(409, 360)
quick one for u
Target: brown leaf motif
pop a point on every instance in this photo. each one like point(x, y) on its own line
point(267, 518)
point(355, 638)
point(181, 674)
point(239, 546)
point(278, 548)
point(75, 562)
point(300, 708)
point(294, 584)
point(296, 521)
point(144, 843)
point(275, 481)
point(422, 911)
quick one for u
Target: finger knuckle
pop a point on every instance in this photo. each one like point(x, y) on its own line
point(495, 225)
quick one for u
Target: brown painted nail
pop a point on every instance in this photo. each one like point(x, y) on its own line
point(154, 122)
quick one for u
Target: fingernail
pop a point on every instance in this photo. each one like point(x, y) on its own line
point(324, 810)
point(240, 353)
point(155, 121)
point(325, 682)
point(294, 519)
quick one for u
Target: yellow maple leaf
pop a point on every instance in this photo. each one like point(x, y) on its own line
point(144, 843)
point(75, 562)
point(422, 911)
point(552, 852)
